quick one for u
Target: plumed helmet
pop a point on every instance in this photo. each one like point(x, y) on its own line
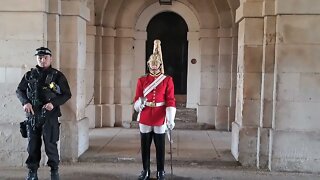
point(156, 56)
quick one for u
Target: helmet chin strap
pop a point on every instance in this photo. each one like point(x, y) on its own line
point(155, 72)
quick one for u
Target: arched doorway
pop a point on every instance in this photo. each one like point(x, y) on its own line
point(172, 30)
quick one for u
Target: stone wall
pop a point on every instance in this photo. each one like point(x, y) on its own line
point(278, 93)
point(60, 25)
point(24, 28)
point(296, 115)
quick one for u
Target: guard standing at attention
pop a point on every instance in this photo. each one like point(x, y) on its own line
point(155, 102)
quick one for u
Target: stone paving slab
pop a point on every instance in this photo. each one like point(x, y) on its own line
point(130, 171)
point(114, 154)
point(118, 144)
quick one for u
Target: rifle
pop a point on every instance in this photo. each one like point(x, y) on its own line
point(34, 96)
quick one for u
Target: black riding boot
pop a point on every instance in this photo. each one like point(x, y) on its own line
point(146, 139)
point(55, 174)
point(159, 141)
point(32, 175)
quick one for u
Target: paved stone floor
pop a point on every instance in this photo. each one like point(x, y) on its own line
point(114, 154)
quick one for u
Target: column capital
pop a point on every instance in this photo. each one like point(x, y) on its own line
point(249, 9)
point(208, 33)
point(91, 30)
point(75, 8)
point(125, 32)
point(225, 32)
point(105, 31)
point(194, 35)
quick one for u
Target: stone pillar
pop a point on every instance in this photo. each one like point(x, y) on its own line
point(194, 76)
point(74, 133)
point(90, 75)
point(104, 78)
point(90, 70)
point(23, 29)
point(267, 87)
point(107, 78)
point(209, 47)
point(232, 108)
point(123, 67)
point(295, 134)
point(248, 99)
point(224, 79)
point(139, 58)
point(53, 26)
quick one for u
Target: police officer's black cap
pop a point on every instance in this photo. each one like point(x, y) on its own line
point(42, 51)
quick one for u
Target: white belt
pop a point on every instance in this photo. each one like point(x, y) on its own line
point(153, 104)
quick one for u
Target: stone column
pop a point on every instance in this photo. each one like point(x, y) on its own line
point(248, 99)
point(209, 47)
point(74, 133)
point(97, 77)
point(90, 75)
point(267, 86)
point(107, 78)
point(139, 58)
point(224, 79)
point(123, 67)
point(295, 145)
point(232, 108)
point(53, 26)
point(90, 62)
point(194, 74)
point(23, 29)
point(104, 78)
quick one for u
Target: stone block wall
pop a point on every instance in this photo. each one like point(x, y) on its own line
point(278, 91)
point(296, 125)
point(19, 38)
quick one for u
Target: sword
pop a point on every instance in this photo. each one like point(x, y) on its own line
point(170, 141)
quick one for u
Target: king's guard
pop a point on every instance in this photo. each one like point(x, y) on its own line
point(155, 102)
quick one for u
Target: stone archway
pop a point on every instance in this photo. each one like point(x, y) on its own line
point(193, 43)
point(121, 43)
point(172, 30)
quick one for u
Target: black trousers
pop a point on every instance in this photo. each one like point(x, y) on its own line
point(159, 141)
point(50, 131)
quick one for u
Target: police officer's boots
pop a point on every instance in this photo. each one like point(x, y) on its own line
point(54, 174)
point(159, 141)
point(32, 175)
point(146, 139)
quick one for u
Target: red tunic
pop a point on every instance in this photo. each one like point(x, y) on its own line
point(164, 92)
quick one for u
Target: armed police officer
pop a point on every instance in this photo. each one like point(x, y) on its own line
point(41, 91)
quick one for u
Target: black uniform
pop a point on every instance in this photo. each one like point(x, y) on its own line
point(38, 87)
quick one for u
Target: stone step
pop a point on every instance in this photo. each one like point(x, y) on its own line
point(187, 115)
point(186, 118)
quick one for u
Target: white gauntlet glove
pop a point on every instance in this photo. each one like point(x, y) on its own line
point(140, 104)
point(170, 115)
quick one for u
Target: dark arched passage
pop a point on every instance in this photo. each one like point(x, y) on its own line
point(172, 30)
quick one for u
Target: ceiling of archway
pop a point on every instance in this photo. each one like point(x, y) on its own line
point(124, 13)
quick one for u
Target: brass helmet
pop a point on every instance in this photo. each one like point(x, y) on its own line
point(155, 62)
